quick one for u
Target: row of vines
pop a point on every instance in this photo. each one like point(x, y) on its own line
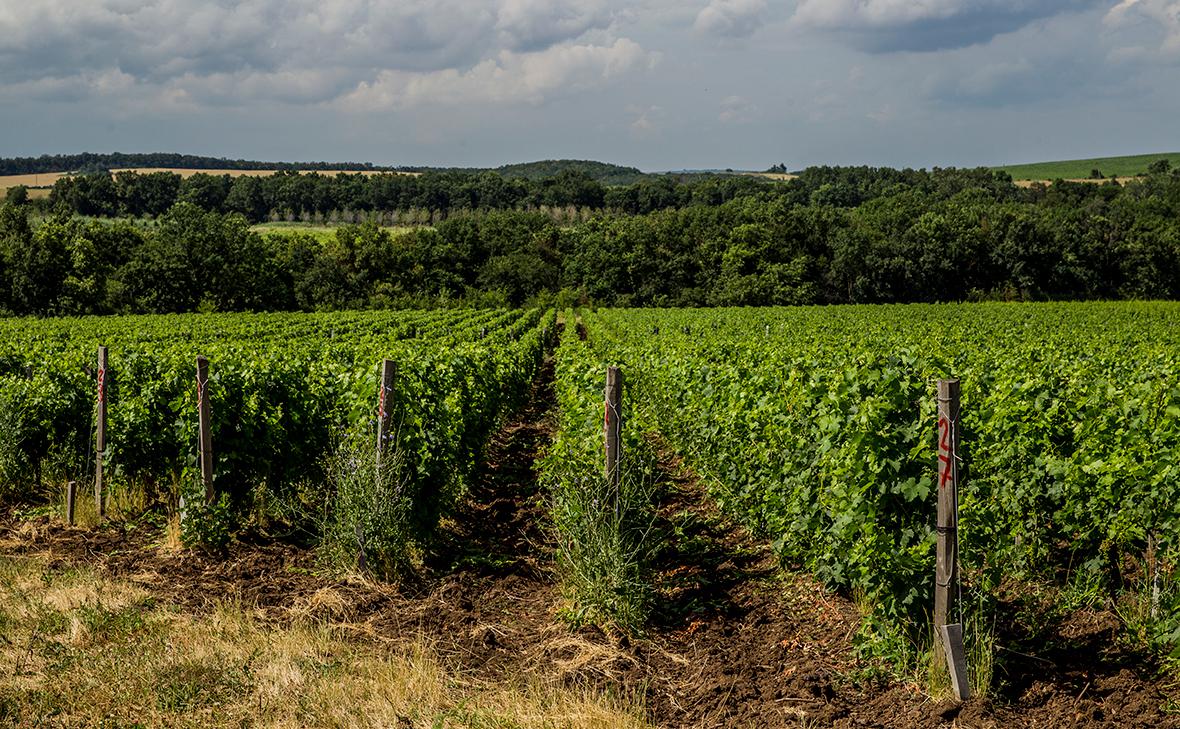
point(288, 393)
point(815, 427)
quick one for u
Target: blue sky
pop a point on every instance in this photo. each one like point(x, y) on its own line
point(656, 84)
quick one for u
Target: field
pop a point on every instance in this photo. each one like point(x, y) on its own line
point(1085, 180)
point(322, 233)
point(762, 556)
point(776, 176)
point(1080, 169)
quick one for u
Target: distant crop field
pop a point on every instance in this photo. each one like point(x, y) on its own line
point(1081, 168)
point(778, 176)
point(1043, 181)
point(45, 179)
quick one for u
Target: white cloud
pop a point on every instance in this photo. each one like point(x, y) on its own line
point(648, 120)
point(509, 78)
point(300, 51)
point(536, 24)
point(1161, 20)
point(736, 109)
point(926, 25)
point(730, 18)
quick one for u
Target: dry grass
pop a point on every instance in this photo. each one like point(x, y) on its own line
point(87, 651)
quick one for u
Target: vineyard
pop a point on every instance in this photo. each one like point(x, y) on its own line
point(284, 391)
point(806, 434)
point(815, 428)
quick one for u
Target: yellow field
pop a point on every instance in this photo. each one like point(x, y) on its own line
point(779, 176)
point(46, 179)
point(1030, 183)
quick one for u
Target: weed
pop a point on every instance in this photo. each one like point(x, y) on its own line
point(368, 524)
point(604, 547)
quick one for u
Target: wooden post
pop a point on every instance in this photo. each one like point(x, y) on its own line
point(946, 567)
point(71, 499)
point(204, 418)
point(1153, 567)
point(613, 423)
point(385, 408)
point(100, 431)
point(956, 659)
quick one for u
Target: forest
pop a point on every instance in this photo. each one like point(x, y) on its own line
point(155, 243)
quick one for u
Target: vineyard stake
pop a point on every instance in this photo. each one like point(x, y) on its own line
point(946, 567)
point(204, 417)
point(100, 431)
point(385, 410)
point(613, 423)
point(71, 498)
point(956, 659)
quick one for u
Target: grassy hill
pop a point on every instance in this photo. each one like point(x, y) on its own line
point(1080, 168)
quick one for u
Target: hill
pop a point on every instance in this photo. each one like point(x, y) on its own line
point(1081, 168)
point(604, 172)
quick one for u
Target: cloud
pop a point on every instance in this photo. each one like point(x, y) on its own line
point(510, 78)
point(730, 18)
point(530, 25)
point(298, 51)
point(1161, 20)
point(648, 120)
point(736, 109)
point(1002, 83)
point(883, 26)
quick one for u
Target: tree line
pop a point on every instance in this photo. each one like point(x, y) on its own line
point(97, 162)
point(837, 235)
point(294, 196)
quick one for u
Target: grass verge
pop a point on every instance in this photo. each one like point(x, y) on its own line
point(78, 649)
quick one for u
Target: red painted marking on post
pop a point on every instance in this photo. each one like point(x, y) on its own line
point(381, 402)
point(605, 422)
point(946, 471)
point(102, 385)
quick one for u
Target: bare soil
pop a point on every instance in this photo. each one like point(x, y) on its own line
point(736, 641)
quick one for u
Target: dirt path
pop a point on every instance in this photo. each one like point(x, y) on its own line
point(734, 641)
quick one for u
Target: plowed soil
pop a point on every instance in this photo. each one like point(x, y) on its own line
point(736, 641)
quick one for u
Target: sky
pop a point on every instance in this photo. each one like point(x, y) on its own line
point(661, 85)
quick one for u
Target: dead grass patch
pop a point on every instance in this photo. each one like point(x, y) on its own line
point(90, 650)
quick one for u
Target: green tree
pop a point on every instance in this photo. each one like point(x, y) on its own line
point(1159, 167)
point(17, 195)
point(39, 265)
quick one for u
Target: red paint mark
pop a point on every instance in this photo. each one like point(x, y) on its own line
point(946, 472)
point(102, 385)
point(381, 403)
